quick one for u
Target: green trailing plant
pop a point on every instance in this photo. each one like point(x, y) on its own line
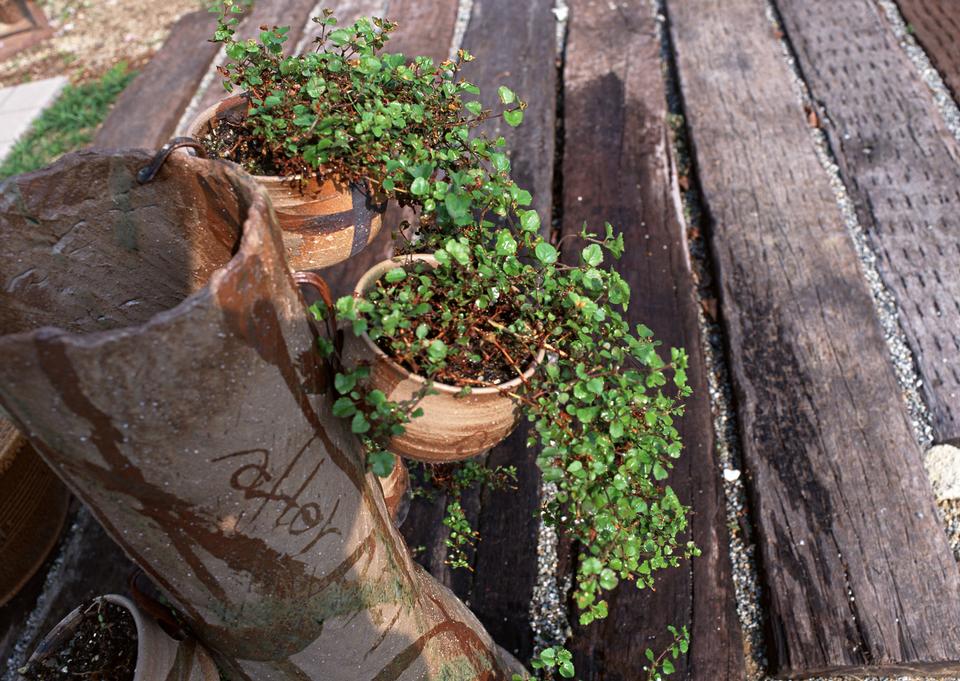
point(556, 661)
point(602, 413)
point(349, 111)
point(452, 480)
point(662, 665)
point(603, 401)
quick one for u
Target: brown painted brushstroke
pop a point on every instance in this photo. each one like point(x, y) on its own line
point(245, 304)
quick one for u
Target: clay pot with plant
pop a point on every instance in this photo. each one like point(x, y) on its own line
point(462, 415)
point(480, 313)
point(111, 638)
point(335, 133)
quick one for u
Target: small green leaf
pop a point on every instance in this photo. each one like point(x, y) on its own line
point(506, 244)
point(437, 350)
point(360, 424)
point(420, 186)
point(546, 253)
point(344, 383)
point(381, 463)
point(458, 250)
point(395, 275)
point(513, 117)
point(530, 221)
point(344, 407)
point(592, 255)
point(507, 96)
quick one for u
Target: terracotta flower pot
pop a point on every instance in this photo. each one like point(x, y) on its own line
point(322, 224)
point(453, 426)
point(159, 657)
point(33, 507)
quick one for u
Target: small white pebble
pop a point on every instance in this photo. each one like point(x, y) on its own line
point(731, 474)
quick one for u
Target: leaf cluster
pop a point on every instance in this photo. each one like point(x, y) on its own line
point(453, 480)
point(603, 403)
point(351, 112)
point(498, 299)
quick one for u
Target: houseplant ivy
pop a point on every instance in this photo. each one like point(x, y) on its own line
point(601, 416)
point(349, 110)
point(602, 406)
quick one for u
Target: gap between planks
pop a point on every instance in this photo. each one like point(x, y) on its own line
point(807, 360)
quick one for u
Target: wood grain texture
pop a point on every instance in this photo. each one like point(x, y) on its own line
point(936, 26)
point(616, 168)
point(856, 567)
point(147, 112)
point(514, 45)
point(902, 168)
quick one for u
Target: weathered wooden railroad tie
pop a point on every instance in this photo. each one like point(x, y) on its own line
point(857, 574)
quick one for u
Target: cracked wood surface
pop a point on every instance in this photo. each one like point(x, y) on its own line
point(617, 168)
point(855, 564)
point(514, 45)
point(902, 168)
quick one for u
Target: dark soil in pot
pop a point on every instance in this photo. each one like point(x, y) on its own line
point(103, 647)
point(478, 358)
point(226, 141)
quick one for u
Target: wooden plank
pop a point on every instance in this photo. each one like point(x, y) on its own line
point(936, 26)
point(616, 168)
point(856, 566)
point(147, 112)
point(902, 168)
point(425, 28)
point(292, 13)
point(514, 45)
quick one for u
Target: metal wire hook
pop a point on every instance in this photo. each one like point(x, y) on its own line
point(147, 173)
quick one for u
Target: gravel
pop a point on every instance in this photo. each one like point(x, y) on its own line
point(548, 612)
point(30, 628)
point(928, 74)
point(742, 549)
point(464, 8)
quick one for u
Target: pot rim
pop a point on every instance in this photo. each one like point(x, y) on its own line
point(253, 232)
point(372, 275)
point(210, 113)
point(58, 635)
point(138, 622)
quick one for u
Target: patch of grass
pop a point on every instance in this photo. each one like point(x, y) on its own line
point(67, 124)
